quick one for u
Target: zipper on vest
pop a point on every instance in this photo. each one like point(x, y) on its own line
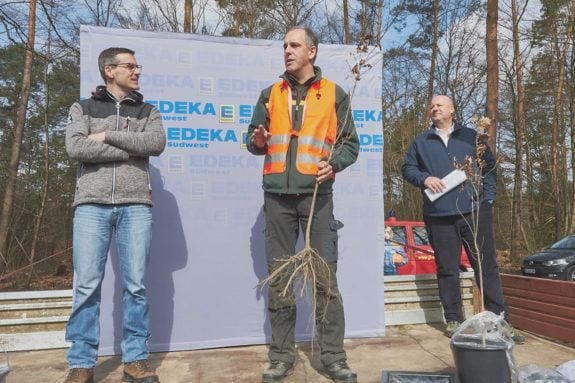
point(114, 173)
point(297, 107)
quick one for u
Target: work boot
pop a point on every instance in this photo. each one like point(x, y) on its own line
point(80, 375)
point(451, 328)
point(517, 338)
point(276, 371)
point(139, 371)
point(340, 372)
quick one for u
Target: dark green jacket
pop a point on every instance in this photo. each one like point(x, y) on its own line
point(345, 151)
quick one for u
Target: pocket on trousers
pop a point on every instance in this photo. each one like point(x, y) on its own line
point(334, 224)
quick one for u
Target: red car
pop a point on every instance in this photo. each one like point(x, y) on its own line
point(412, 235)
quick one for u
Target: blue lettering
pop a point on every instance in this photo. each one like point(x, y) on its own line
point(174, 118)
point(215, 135)
point(358, 115)
point(201, 134)
point(184, 107)
point(368, 139)
point(194, 107)
point(165, 107)
point(180, 107)
point(362, 115)
point(209, 109)
point(231, 136)
point(173, 134)
point(188, 134)
point(369, 115)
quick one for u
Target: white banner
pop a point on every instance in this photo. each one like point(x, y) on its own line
point(208, 242)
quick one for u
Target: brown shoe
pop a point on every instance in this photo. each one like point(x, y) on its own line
point(139, 371)
point(80, 375)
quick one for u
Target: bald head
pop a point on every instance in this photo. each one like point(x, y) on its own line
point(441, 111)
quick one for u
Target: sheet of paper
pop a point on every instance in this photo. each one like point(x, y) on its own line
point(452, 180)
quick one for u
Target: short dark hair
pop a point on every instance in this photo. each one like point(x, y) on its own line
point(311, 38)
point(108, 57)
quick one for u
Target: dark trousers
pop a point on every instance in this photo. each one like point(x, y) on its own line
point(285, 215)
point(447, 234)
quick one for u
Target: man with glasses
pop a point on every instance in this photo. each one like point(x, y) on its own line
point(111, 135)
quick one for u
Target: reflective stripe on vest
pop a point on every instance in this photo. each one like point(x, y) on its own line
point(317, 134)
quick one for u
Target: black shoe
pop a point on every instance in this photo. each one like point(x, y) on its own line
point(276, 371)
point(340, 372)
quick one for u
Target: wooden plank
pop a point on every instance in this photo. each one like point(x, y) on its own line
point(542, 328)
point(539, 296)
point(542, 307)
point(542, 285)
point(543, 317)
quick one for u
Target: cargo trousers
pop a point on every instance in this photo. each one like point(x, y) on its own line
point(285, 215)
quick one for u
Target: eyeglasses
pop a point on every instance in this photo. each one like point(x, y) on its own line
point(129, 66)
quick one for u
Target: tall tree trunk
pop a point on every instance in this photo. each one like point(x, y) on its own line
point(237, 18)
point(433, 61)
point(379, 32)
point(572, 139)
point(555, 127)
point(346, 22)
point(46, 178)
point(492, 56)
point(8, 203)
point(519, 109)
point(571, 202)
point(188, 16)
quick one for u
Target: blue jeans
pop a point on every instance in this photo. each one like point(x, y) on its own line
point(94, 225)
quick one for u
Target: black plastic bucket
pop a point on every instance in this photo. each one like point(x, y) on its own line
point(481, 363)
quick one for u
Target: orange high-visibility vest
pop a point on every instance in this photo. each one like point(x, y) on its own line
point(318, 130)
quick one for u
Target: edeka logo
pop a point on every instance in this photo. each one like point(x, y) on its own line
point(227, 113)
point(246, 112)
point(184, 107)
point(198, 138)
